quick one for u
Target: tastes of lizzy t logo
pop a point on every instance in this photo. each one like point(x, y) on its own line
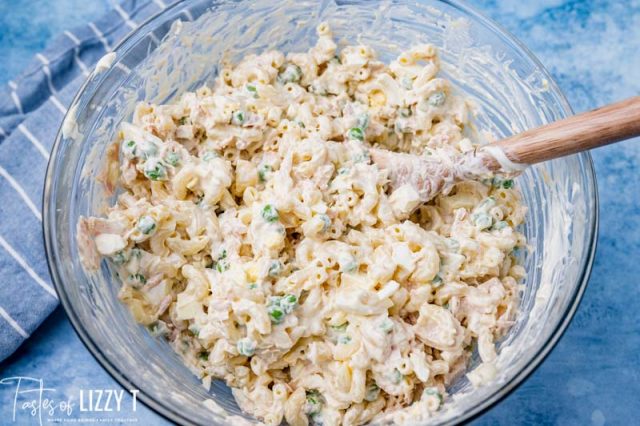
point(30, 399)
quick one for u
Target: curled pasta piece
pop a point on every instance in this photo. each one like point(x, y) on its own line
point(438, 328)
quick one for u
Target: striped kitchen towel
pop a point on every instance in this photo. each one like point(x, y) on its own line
point(31, 110)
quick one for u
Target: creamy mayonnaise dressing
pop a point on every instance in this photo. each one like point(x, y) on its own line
point(105, 63)
point(506, 164)
point(257, 236)
point(70, 125)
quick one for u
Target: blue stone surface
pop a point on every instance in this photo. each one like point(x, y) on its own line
point(592, 48)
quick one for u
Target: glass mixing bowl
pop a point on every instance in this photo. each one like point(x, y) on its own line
point(511, 88)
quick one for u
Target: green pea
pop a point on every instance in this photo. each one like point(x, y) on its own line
point(326, 222)
point(275, 268)
point(372, 393)
point(155, 170)
point(436, 281)
point(482, 220)
point(486, 204)
point(269, 213)
point(210, 155)
point(350, 267)
point(274, 300)
point(276, 314)
point(280, 306)
point(120, 258)
point(340, 328)
point(500, 182)
point(397, 376)
point(184, 345)
point(222, 265)
point(361, 157)
point(288, 303)
point(363, 121)
point(252, 89)
point(348, 264)
point(246, 346)
point(194, 329)
point(344, 340)
point(137, 280)
point(146, 224)
point(313, 396)
point(437, 99)
point(386, 325)
point(431, 391)
point(237, 118)
point(129, 149)
point(355, 133)
point(172, 159)
point(158, 328)
point(500, 225)
point(405, 112)
point(314, 402)
point(263, 170)
point(291, 73)
point(146, 149)
point(407, 83)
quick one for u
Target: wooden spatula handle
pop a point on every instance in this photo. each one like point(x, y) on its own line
point(581, 132)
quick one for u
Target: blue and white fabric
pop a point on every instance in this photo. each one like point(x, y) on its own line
point(32, 107)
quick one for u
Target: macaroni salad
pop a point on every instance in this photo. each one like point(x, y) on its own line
point(256, 235)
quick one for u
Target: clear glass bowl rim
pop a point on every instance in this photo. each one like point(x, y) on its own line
point(169, 413)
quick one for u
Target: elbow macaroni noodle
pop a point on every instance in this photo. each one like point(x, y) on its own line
point(254, 233)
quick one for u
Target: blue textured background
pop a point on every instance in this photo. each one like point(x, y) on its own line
point(592, 48)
